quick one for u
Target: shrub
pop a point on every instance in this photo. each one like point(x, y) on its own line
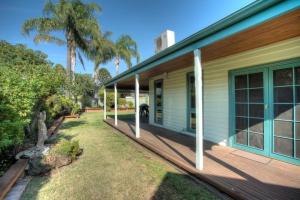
point(122, 102)
point(66, 148)
point(58, 105)
point(130, 104)
point(11, 128)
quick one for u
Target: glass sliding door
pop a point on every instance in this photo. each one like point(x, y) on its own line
point(191, 103)
point(286, 112)
point(265, 110)
point(249, 110)
point(158, 101)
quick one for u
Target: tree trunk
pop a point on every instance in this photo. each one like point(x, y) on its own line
point(117, 63)
point(73, 59)
point(71, 55)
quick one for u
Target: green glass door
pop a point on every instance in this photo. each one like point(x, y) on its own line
point(265, 110)
point(250, 105)
point(158, 101)
point(191, 103)
point(285, 100)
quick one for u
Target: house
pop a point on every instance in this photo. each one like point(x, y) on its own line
point(235, 83)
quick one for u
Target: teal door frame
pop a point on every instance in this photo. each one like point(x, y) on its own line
point(267, 69)
point(189, 109)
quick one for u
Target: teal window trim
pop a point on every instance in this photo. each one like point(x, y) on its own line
point(188, 98)
point(268, 77)
point(162, 101)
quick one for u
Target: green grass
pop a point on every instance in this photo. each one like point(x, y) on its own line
point(112, 167)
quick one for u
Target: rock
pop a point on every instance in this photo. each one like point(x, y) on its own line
point(37, 167)
point(33, 152)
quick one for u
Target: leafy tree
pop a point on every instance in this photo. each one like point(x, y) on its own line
point(27, 78)
point(82, 87)
point(72, 17)
point(102, 76)
point(125, 49)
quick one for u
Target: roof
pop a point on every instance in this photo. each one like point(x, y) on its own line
point(249, 16)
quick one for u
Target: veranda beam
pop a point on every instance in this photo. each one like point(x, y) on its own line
point(116, 104)
point(137, 106)
point(199, 109)
point(104, 106)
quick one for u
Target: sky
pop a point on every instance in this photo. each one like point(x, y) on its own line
point(143, 20)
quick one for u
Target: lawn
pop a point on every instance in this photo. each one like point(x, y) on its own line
point(112, 167)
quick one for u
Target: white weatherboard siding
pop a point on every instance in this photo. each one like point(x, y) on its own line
point(216, 97)
point(174, 99)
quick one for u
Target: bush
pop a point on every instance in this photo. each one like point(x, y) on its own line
point(122, 102)
point(58, 105)
point(11, 128)
point(130, 104)
point(66, 148)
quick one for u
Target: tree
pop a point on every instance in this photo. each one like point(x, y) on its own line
point(125, 49)
point(103, 76)
point(102, 51)
point(72, 17)
point(27, 78)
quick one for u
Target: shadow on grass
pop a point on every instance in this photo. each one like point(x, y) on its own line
point(125, 117)
point(71, 124)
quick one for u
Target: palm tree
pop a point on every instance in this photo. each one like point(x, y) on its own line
point(72, 17)
point(125, 49)
point(102, 50)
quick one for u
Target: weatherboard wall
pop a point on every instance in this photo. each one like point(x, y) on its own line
point(216, 97)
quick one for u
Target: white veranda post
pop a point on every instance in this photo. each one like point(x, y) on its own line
point(199, 109)
point(116, 105)
point(137, 106)
point(104, 104)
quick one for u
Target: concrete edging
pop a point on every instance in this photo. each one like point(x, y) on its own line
point(8, 180)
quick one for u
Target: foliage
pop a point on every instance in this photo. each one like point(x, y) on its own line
point(66, 148)
point(130, 104)
point(75, 19)
point(59, 105)
point(122, 102)
point(101, 50)
point(109, 97)
point(102, 76)
point(125, 49)
point(11, 127)
point(26, 80)
point(82, 87)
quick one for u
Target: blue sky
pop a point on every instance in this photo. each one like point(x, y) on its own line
point(143, 20)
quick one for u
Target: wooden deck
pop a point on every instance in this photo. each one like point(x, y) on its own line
point(240, 174)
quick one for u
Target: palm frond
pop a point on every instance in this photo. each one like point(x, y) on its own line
point(48, 38)
point(41, 25)
point(81, 60)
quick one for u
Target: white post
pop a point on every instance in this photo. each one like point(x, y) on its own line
point(199, 109)
point(137, 106)
point(104, 104)
point(116, 105)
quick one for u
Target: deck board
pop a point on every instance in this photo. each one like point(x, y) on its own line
point(243, 177)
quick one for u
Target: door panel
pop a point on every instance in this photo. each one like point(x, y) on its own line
point(285, 112)
point(191, 103)
point(265, 110)
point(249, 99)
point(158, 101)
